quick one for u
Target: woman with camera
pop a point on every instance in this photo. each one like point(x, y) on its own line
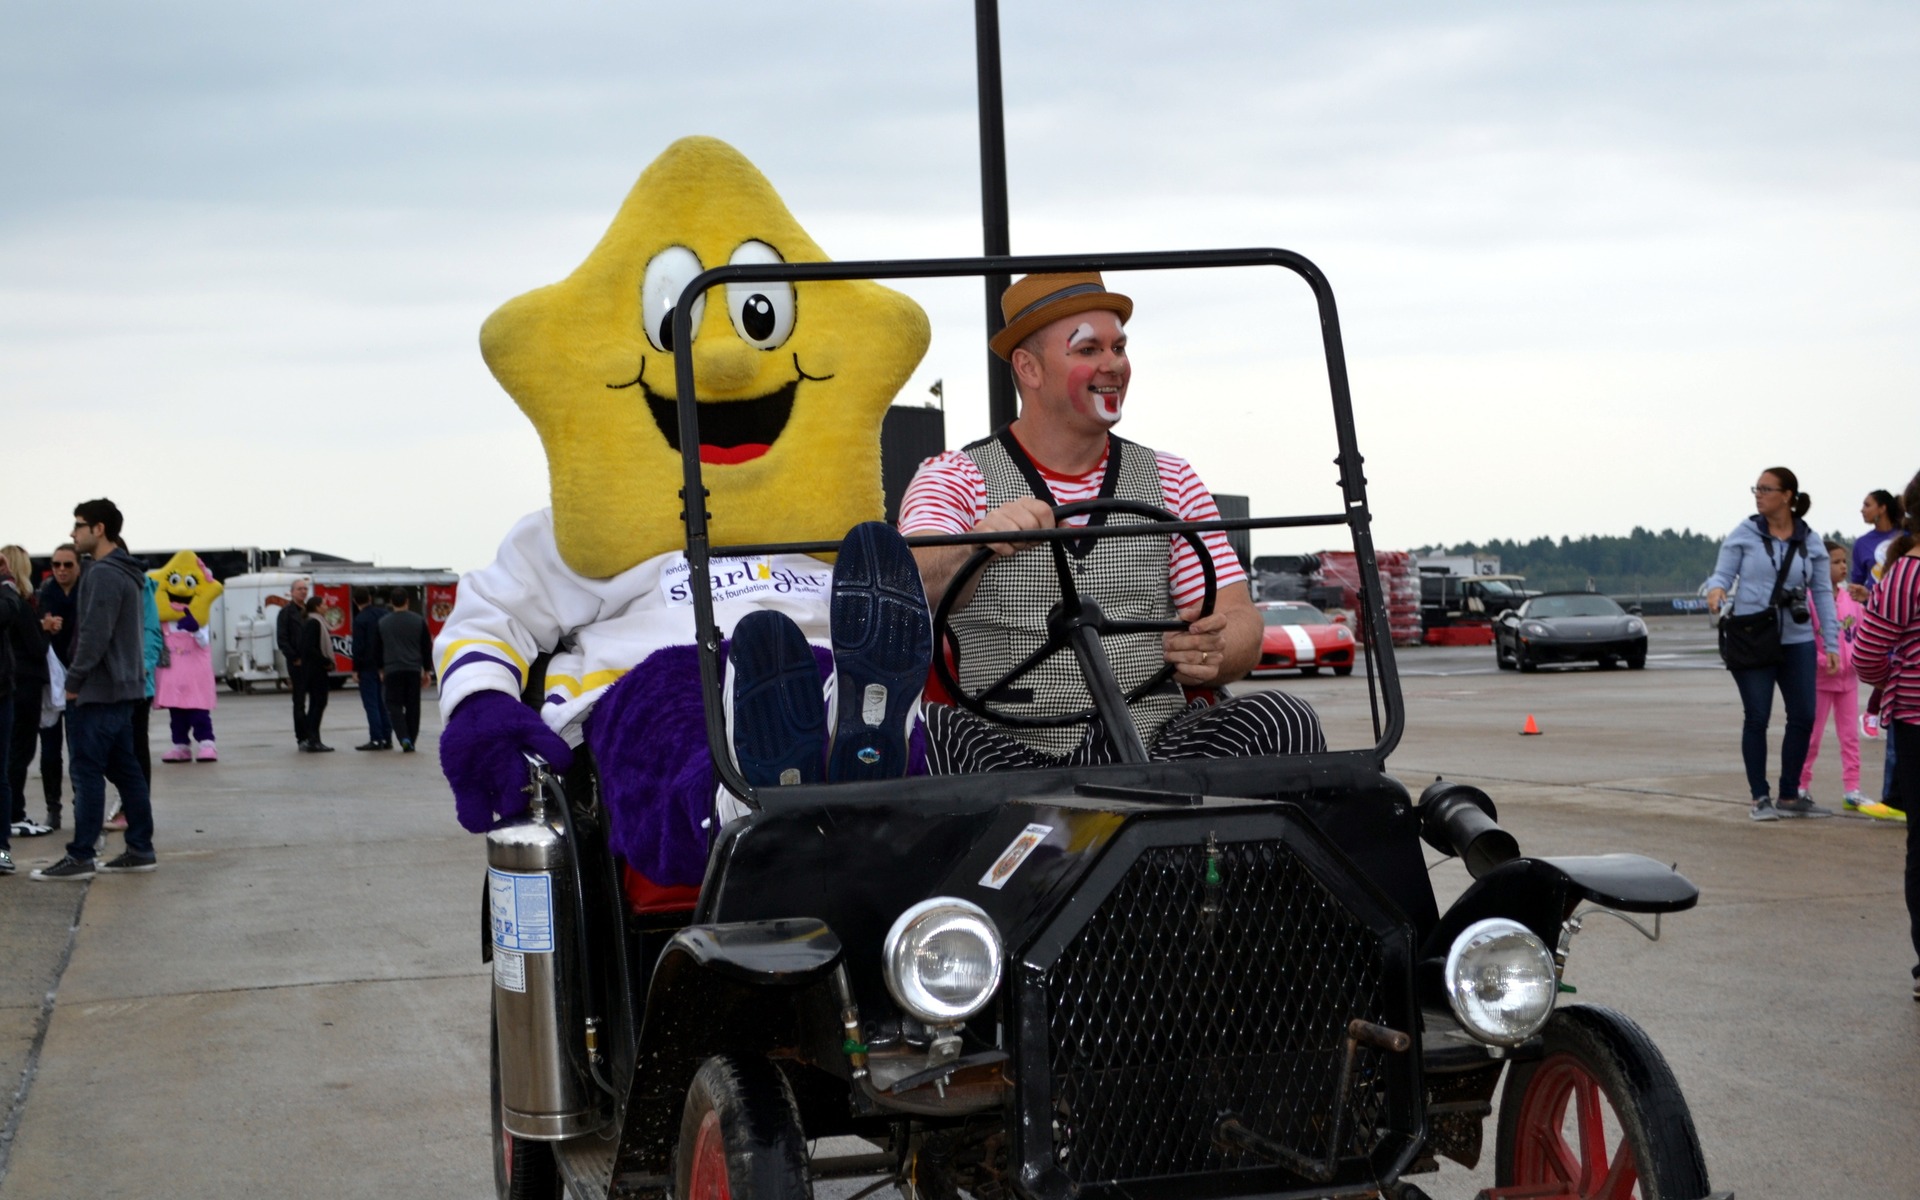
point(1773, 569)
point(1888, 653)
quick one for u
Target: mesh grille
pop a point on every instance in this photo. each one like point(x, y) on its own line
point(1160, 1026)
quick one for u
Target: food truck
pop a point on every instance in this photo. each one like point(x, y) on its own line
point(246, 615)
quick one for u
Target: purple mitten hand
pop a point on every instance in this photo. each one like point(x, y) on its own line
point(481, 753)
point(187, 623)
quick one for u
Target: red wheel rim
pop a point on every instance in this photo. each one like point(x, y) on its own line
point(1582, 1165)
point(708, 1178)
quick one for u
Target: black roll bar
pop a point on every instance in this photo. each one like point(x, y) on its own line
point(1353, 483)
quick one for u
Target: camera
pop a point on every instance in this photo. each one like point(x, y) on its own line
point(1794, 600)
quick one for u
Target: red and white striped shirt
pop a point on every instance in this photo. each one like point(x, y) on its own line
point(949, 495)
point(1886, 650)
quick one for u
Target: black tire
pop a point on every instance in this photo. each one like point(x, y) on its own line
point(1309, 670)
point(1637, 659)
point(1607, 662)
point(1345, 671)
point(747, 1104)
point(1600, 1057)
point(1522, 659)
point(1501, 658)
point(522, 1170)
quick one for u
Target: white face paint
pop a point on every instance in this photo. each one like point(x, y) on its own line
point(1081, 333)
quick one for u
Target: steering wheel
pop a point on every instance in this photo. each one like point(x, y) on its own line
point(1077, 624)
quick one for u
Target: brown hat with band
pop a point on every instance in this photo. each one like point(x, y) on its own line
point(1035, 301)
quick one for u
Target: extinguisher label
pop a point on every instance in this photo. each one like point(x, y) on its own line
point(522, 911)
point(510, 970)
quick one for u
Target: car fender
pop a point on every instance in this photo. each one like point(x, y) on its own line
point(747, 987)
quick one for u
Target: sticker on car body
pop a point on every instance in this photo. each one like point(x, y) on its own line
point(1016, 853)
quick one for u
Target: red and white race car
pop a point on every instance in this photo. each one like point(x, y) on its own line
point(1300, 637)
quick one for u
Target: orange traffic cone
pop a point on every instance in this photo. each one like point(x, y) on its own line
point(1530, 729)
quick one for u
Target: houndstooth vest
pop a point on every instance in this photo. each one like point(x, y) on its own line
point(1007, 617)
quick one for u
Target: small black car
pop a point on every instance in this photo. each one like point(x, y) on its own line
point(1196, 980)
point(1561, 627)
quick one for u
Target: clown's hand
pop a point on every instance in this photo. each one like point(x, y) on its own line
point(482, 754)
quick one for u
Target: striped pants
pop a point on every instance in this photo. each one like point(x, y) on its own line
point(959, 743)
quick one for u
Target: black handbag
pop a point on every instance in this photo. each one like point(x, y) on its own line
point(1753, 640)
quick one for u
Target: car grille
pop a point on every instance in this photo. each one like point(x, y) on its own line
point(1163, 1019)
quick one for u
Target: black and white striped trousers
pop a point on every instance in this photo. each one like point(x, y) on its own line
point(959, 743)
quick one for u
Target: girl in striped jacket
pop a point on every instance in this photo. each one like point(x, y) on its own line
point(1887, 655)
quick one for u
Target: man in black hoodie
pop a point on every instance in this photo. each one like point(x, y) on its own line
point(105, 680)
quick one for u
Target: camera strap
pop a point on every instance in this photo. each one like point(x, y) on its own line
point(1797, 546)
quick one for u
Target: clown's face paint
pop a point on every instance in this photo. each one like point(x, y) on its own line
point(1097, 368)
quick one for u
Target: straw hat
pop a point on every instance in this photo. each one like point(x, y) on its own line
point(1035, 301)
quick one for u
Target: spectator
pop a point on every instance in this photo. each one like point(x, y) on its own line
point(404, 651)
point(1769, 559)
point(17, 626)
point(1883, 511)
point(367, 613)
point(56, 619)
point(1887, 653)
point(1837, 692)
point(29, 644)
point(315, 677)
point(287, 629)
point(104, 682)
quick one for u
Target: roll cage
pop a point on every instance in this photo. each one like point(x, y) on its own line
point(1245, 776)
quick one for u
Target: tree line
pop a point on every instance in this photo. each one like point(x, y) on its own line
point(1641, 562)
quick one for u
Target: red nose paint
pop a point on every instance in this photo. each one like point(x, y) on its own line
point(726, 456)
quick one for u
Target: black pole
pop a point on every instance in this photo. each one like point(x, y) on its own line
point(1001, 406)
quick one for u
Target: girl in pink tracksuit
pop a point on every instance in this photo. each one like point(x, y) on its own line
point(1838, 692)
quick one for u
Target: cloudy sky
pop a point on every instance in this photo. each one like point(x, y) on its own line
point(1597, 263)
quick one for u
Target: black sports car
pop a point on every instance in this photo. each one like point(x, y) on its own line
point(1569, 627)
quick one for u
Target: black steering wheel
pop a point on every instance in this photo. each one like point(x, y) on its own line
point(1077, 624)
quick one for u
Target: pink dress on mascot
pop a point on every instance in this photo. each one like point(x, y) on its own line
point(185, 685)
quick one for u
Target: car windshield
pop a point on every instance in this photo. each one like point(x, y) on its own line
point(1295, 614)
point(1495, 587)
point(1572, 606)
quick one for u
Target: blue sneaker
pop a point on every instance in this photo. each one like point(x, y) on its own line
point(775, 711)
point(882, 647)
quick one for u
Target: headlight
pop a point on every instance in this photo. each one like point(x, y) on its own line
point(1636, 626)
point(942, 960)
point(1500, 981)
point(1340, 631)
point(1534, 629)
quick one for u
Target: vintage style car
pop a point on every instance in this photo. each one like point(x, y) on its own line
point(1561, 627)
point(1144, 980)
point(1300, 637)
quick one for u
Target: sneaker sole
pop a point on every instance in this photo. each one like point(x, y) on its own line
point(882, 647)
point(1767, 815)
point(775, 713)
point(38, 877)
point(106, 869)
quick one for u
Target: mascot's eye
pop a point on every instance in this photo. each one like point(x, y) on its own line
point(669, 272)
point(189, 582)
point(762, 312)
point(173, 580)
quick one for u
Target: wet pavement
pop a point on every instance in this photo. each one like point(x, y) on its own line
point(294, 1004)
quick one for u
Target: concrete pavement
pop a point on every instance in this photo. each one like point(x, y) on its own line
point(293, 1005)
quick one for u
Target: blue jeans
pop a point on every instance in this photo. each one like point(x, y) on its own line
point(1794, 677)
point(1907, 796)
point(373, 699)
point(100, 745)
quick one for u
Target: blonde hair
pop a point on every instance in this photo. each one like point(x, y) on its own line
point(21, 567)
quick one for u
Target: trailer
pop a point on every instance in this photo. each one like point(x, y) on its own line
point(247, 614)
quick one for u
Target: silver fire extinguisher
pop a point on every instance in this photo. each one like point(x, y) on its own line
point(545, 1092)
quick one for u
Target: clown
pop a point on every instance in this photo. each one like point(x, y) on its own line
point(184, 594)
point(793, 384)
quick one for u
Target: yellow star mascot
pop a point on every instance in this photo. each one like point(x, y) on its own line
point(793, 383)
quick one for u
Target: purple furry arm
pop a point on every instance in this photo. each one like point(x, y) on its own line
point(481, 754)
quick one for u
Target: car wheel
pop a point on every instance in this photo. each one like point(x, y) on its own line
point(1309, 670)
point(1608, 662)
point(1599, 1114)
point(740, 1135)
point(1501, 658)
point(1522, 659)
point(522, 1170)
point(1345, 671)
point(1637, 659)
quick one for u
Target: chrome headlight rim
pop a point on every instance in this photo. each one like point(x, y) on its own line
point(1474, 937)
point(907, 935)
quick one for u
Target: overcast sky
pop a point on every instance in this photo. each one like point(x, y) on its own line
point(1597, 264)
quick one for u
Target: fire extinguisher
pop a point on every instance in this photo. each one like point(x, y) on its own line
point(548, 1042)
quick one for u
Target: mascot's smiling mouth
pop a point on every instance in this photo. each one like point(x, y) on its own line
point(179, 600)
point(731, 431)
